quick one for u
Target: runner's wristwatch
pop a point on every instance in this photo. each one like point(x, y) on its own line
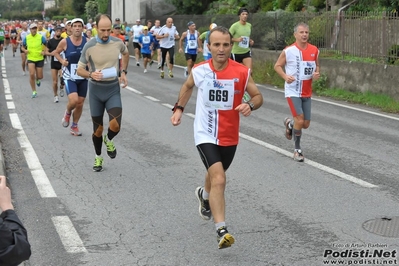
point(177, 107)
point(251, 105)
point(124, 71)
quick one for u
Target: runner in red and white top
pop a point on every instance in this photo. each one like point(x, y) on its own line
point(221, 84)
point(301, 63)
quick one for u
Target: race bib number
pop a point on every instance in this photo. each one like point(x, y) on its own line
point(74, 69)
point(1, 33)
point(245, 42)
point(146, 39)
point(306, 70)
point(218, 94)
point(192, 44)
point(171, 37)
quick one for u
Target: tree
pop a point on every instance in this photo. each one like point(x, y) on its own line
point(103, 6)
point(79, 7)
point(190, 6)
point(91, 9)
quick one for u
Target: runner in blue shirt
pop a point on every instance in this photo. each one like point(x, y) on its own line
point(146, 41)
point(192, 45)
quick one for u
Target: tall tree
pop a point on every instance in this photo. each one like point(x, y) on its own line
point(79, 6)
point(190, 6)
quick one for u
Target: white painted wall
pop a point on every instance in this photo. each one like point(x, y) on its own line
point(131, 12)
point(49, 4)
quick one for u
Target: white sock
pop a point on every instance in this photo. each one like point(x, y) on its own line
point(205, 195)
point(218, 225)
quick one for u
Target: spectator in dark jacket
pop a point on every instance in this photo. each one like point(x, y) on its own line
point(14, 245)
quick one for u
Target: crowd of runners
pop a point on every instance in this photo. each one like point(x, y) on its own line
point(94, 56)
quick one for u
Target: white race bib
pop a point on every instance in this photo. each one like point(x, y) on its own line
point(306, 69)
point(218, 94)
point(245, 42)
point(74, 68)
point(146, 39)
point(192, 44)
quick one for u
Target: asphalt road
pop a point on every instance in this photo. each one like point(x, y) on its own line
point(141, 210)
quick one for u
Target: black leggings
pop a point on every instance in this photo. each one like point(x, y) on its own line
point(211, 153)
point(164, 51)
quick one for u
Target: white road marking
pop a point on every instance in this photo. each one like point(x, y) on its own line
point(10, 105)
point(167, 105)
point(64, 227)
point(68, 234)
point(311, 163)
point(152, 98)
point(39, 175)
point(133, 90)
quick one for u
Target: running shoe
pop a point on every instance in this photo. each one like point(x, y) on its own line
point(224, 238)
point(137, 64)
point(151, 62)
point(98, 164)
point(13, 55)
point(145, 70)
point(34, 94)
point(61, 92)
point(288, 130)
point(23, 73)
point(159, 66)
point(298, 156)
point(65, 119)
point(111, 150)
point(75, 131)
point(162, 74)
point(185, 72)
point(204, 208)
point(56, 99)
point(38, 83)
point(170, 74)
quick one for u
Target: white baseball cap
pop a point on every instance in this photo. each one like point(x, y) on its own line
point(77, 20)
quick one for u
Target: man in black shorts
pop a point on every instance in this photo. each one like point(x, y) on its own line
point(55, 64)
point(32, 46)
point(241, 32)
point(221, 83)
